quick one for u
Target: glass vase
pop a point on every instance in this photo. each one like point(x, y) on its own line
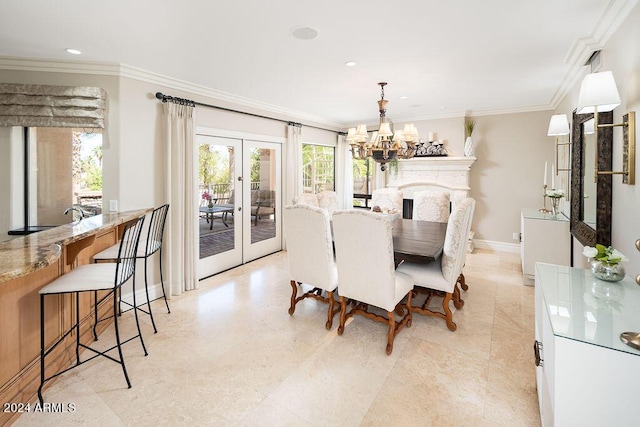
point(604, 270)
point(555, 205)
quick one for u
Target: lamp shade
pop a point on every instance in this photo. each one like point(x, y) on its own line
point(558, 125)
point(385, 130)
point(598, 90)
point(361, 133)
point(351, 135)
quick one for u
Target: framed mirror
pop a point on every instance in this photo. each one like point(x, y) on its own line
point(591, 193)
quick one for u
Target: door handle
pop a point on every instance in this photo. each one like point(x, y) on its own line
point(239, 178)
point(537, 351)
point(239, 208)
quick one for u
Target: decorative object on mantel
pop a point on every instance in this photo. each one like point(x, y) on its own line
point(469, 126)
point(434, 149)
point(632, 339)
point(385, 145)
point(555, 196)
point(605, 262)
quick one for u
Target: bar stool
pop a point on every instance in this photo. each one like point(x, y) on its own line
point(148, 246)
point(93, 278)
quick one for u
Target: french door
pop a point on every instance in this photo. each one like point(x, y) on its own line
point(239, 187)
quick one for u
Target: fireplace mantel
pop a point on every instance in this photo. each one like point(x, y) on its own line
point(451, 172)
point(445, 173)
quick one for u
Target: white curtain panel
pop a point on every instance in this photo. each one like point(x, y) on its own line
point(293, 164)
point(344, 178)
point(182, 228)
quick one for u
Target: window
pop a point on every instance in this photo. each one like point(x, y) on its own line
point(59, 167)
point(318, 168)
point(362, 181)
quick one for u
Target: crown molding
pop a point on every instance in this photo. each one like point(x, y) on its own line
point(126, 71)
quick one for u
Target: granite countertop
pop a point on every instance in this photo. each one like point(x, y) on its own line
point(24, 255)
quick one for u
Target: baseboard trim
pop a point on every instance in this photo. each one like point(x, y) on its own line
point(155, 292)
point(513, 248)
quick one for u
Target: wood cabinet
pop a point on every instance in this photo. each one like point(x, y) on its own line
point(544, 238)
point(585, 374)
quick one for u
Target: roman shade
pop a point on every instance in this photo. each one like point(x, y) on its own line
point(52, 106)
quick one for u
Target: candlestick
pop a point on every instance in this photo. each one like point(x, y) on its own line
point(544, 209)
point(545, 175)
point(553, 177)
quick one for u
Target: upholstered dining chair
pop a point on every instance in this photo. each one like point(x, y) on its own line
point(387, 199)
point(462, 281)
point(93, 278)
point(364, 256)
point(431, 206)
point(310, 252)
point(441, 277)
point(309, 199)
point(151, 244)
point(328, 200)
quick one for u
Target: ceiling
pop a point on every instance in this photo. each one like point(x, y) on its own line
point(447, 58)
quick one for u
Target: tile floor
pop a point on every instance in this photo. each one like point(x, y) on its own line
point(229, 354)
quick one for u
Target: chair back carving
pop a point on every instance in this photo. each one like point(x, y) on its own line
point(364, 257)
point(309, 246)
point(455, 242)
point(431, 205)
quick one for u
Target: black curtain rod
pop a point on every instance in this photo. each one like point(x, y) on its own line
point(182, 101)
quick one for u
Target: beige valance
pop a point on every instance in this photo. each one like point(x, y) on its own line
point(52, 106)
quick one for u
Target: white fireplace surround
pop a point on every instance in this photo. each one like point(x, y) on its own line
point(443, 173)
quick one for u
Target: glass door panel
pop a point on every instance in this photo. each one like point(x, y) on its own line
point(262, 195)
point(220, 229)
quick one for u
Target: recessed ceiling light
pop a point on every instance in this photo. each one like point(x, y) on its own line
point(305, 33)
point(403, 97)
point(73, 51)
point(350, 63)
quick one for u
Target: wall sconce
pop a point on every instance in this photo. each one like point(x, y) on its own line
point(559, 126)
point(599, 93)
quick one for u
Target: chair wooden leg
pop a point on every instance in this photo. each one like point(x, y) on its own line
point(463, 283)
point(330, 313)
point(343, 315)
point(294, 293)
point(458, 302)
point(447, 311)
point(391, 332)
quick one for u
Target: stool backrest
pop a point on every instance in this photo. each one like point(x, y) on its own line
point(126, 263)
point(156, 229)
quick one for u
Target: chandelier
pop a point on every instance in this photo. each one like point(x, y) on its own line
point(384, 145)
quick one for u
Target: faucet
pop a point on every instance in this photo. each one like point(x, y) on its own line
point(77, 209)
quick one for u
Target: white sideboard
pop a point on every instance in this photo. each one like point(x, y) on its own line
point(586, 375)
point(544, 238)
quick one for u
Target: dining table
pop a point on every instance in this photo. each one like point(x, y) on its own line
point(418, 241)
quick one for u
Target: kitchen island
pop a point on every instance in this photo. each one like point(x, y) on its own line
point(26, 265)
